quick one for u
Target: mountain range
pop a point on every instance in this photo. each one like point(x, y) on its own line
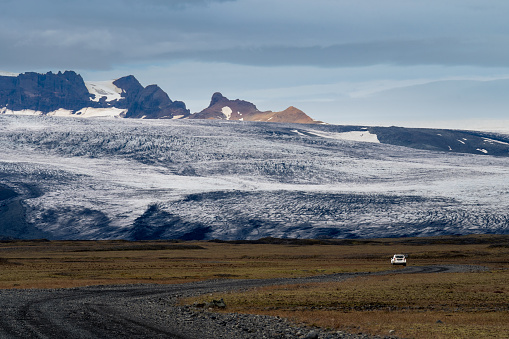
point(67, 94)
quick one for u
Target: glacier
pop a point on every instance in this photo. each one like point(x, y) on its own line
point(68, 178)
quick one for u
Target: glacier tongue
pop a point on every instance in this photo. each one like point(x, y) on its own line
point(140, 179)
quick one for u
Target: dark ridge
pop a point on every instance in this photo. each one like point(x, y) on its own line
point(494, 240)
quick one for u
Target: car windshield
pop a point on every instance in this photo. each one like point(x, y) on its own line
point(399, 256)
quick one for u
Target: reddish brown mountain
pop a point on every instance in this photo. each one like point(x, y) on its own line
point(291, 114)
point(222, 108)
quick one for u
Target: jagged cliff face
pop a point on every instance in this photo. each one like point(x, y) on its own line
point(153, 103)
point(221, 108)
point(43, 92)
point(68, 94)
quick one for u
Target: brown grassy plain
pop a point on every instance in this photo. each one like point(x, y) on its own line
point(441, 305)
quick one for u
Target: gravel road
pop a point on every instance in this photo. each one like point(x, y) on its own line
point(151, 311)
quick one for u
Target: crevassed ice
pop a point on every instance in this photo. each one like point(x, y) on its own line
point(364, 136)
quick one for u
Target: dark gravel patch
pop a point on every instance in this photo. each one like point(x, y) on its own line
point(152, 311)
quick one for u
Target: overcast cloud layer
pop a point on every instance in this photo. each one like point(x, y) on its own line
point(336, 58)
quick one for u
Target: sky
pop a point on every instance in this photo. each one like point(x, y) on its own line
point(403, 62)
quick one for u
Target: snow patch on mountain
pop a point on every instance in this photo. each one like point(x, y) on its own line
point(5, 110)
point(491, 141)
point(8, 74)
point(227, 111)
point(90, 112)
point(87, 112)
point(61, 113)
point(104, 89)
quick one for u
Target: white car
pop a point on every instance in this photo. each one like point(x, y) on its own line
point(398, 259)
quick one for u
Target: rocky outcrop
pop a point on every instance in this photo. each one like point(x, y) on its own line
point(221, 108)
point(131, 88)
point(153, 103)
point(44, 92)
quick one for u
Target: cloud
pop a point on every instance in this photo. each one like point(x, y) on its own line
point(391, 52)
point(99, 35)
point(179, 3)
point(328, 57)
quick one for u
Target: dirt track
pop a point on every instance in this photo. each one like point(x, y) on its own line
point(151, 311)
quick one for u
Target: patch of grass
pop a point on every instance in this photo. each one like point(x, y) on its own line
point(141, 247)
point(438, 305)
point(118, 262)
point(472, 292)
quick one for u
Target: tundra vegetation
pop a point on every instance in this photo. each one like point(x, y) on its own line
point(432, 305)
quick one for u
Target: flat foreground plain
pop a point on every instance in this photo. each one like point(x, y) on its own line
point(433, 305)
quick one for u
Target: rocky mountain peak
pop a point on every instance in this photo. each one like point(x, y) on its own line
point(216, 98)
point(292, 114)
point(154, 103)
point(222, 108)
point(130, 85)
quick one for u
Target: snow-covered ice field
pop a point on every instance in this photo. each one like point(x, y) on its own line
point(141, 179)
